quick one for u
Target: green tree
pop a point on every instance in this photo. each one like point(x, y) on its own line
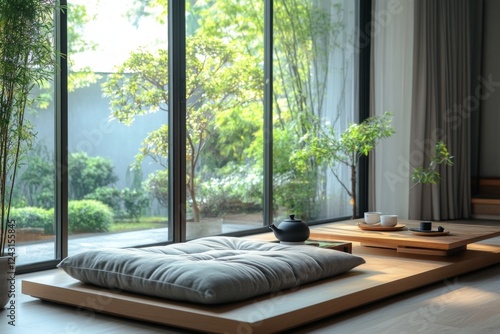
point(156, 185)
point(86, 174)
point(305, 33)
point(347, 148)
point(26, 60)
point(109, 196)
point(219, 79)
point(37, 179)
point(135, 201)
point(79, 77)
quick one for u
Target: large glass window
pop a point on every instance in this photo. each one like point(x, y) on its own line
point(118, 131)
point(117, 122)
point(224, 79)
point(315, 85)
point(32, 205)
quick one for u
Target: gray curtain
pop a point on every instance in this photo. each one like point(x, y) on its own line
point(371, 157)
point(442, 102)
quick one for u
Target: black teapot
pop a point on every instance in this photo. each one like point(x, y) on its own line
point(291, 230)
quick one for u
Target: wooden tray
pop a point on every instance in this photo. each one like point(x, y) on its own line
point(342, 246)
point(378, 227)
point(428, 233)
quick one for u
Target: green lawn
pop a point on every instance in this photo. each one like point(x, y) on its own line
point(143, 223)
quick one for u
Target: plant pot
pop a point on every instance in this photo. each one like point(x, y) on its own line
point(7, 269)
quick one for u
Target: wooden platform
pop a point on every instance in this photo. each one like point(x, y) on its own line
point(485, 202)
point(486, 206)
point(386, 273)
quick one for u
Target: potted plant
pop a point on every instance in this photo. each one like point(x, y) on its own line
point(429, 174)
point(357, 140)
point(27, 58)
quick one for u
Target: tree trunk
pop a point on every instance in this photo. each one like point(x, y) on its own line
point(196, 211)
point(353, 191)
point(194, 203)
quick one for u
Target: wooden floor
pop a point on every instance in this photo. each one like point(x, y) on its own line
point(466, 304)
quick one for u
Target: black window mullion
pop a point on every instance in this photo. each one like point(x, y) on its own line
point(365, 17)
point(61, 149)
point(177, 120)
point(268, 113)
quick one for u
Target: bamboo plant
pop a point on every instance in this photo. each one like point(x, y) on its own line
point(27, 60)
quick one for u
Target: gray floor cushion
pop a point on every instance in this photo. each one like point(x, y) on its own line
point(208, 270)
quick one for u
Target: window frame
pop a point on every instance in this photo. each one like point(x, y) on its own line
point(177, 125)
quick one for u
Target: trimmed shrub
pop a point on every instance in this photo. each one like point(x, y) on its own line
point(36, 179)
point(31, 217)
point(88, 173)
point(89, 216)
point(109, 196)
point(135, 202)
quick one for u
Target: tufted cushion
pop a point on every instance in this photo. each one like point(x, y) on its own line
point(208, 270)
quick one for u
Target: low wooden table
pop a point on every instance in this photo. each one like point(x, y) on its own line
point(406, 242)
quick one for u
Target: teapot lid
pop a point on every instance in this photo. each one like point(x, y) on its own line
point(292, 219)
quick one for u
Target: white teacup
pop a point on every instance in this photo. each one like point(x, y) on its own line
point(372, 217)
point(388, 220)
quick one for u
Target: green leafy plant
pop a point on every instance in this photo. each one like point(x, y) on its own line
point(155, 186)
point(36, 179)
point(429, 174)
point(346, 149)
point(109, 196)
point(130, 203)
point(86, 174)
point(224, 94)
point(32, 217)
point(89, 216)
point(235, 190)
point(135, 202)
point(26, 60)
point(218, 79)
